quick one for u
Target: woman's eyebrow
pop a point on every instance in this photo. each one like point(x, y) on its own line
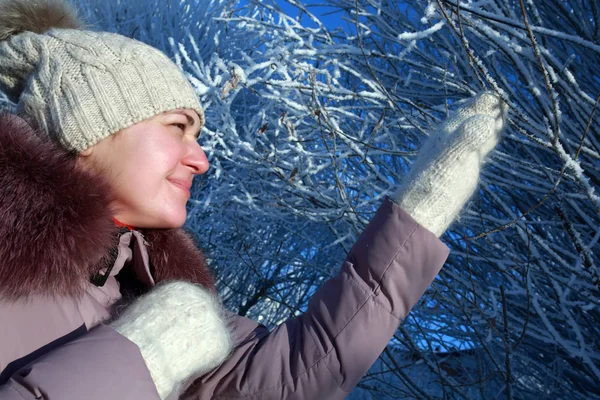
point(191, 121)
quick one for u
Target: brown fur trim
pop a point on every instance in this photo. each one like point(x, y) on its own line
point(174, 256)
point(55, 223)
point(37, 16)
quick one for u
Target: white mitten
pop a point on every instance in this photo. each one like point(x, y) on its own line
point(181, 333)
point(446, 172)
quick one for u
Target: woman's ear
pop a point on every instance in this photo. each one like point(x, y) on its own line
point(84, 160)
point(87, 152)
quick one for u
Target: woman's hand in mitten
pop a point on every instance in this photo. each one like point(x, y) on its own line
point(446, 172)
point(181, 333)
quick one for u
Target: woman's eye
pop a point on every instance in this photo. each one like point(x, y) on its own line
point(180, 126)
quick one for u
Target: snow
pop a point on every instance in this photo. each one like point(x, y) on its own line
point(422, 34)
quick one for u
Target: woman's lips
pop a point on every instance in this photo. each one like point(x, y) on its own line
point(182, 184)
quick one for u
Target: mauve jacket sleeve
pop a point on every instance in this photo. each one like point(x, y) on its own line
point(99, 365)
point(323, 353)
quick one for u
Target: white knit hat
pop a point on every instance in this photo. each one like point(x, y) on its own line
point(80, 86)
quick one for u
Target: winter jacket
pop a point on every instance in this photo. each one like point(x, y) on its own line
point(65, 269)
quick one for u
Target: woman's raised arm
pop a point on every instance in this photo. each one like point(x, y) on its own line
point(323, 353)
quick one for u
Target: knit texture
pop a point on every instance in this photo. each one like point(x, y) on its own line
point(446, 173)
point(181, 333)
point(82, 86)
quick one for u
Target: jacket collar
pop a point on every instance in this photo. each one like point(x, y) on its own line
point(56, 227)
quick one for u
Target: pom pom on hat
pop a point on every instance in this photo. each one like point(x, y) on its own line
point(36, 16)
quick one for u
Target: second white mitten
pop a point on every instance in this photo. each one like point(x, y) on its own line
point(446, 173)
point(181, 333)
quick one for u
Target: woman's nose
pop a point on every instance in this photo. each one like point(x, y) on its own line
point(196, 159)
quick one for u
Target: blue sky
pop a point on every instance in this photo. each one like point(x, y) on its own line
point(317, 8)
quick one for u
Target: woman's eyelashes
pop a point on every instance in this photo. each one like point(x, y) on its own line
point(180, 126)
point(187, 127)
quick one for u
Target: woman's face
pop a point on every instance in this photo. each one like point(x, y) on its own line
point(150, 167)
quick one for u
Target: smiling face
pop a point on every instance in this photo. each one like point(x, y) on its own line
point(150, 166)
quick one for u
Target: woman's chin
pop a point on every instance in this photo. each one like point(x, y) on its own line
point(176, 220)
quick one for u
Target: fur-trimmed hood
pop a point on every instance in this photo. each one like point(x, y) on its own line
point(56, 228)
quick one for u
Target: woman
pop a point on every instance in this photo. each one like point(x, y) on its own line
point(103, 297)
